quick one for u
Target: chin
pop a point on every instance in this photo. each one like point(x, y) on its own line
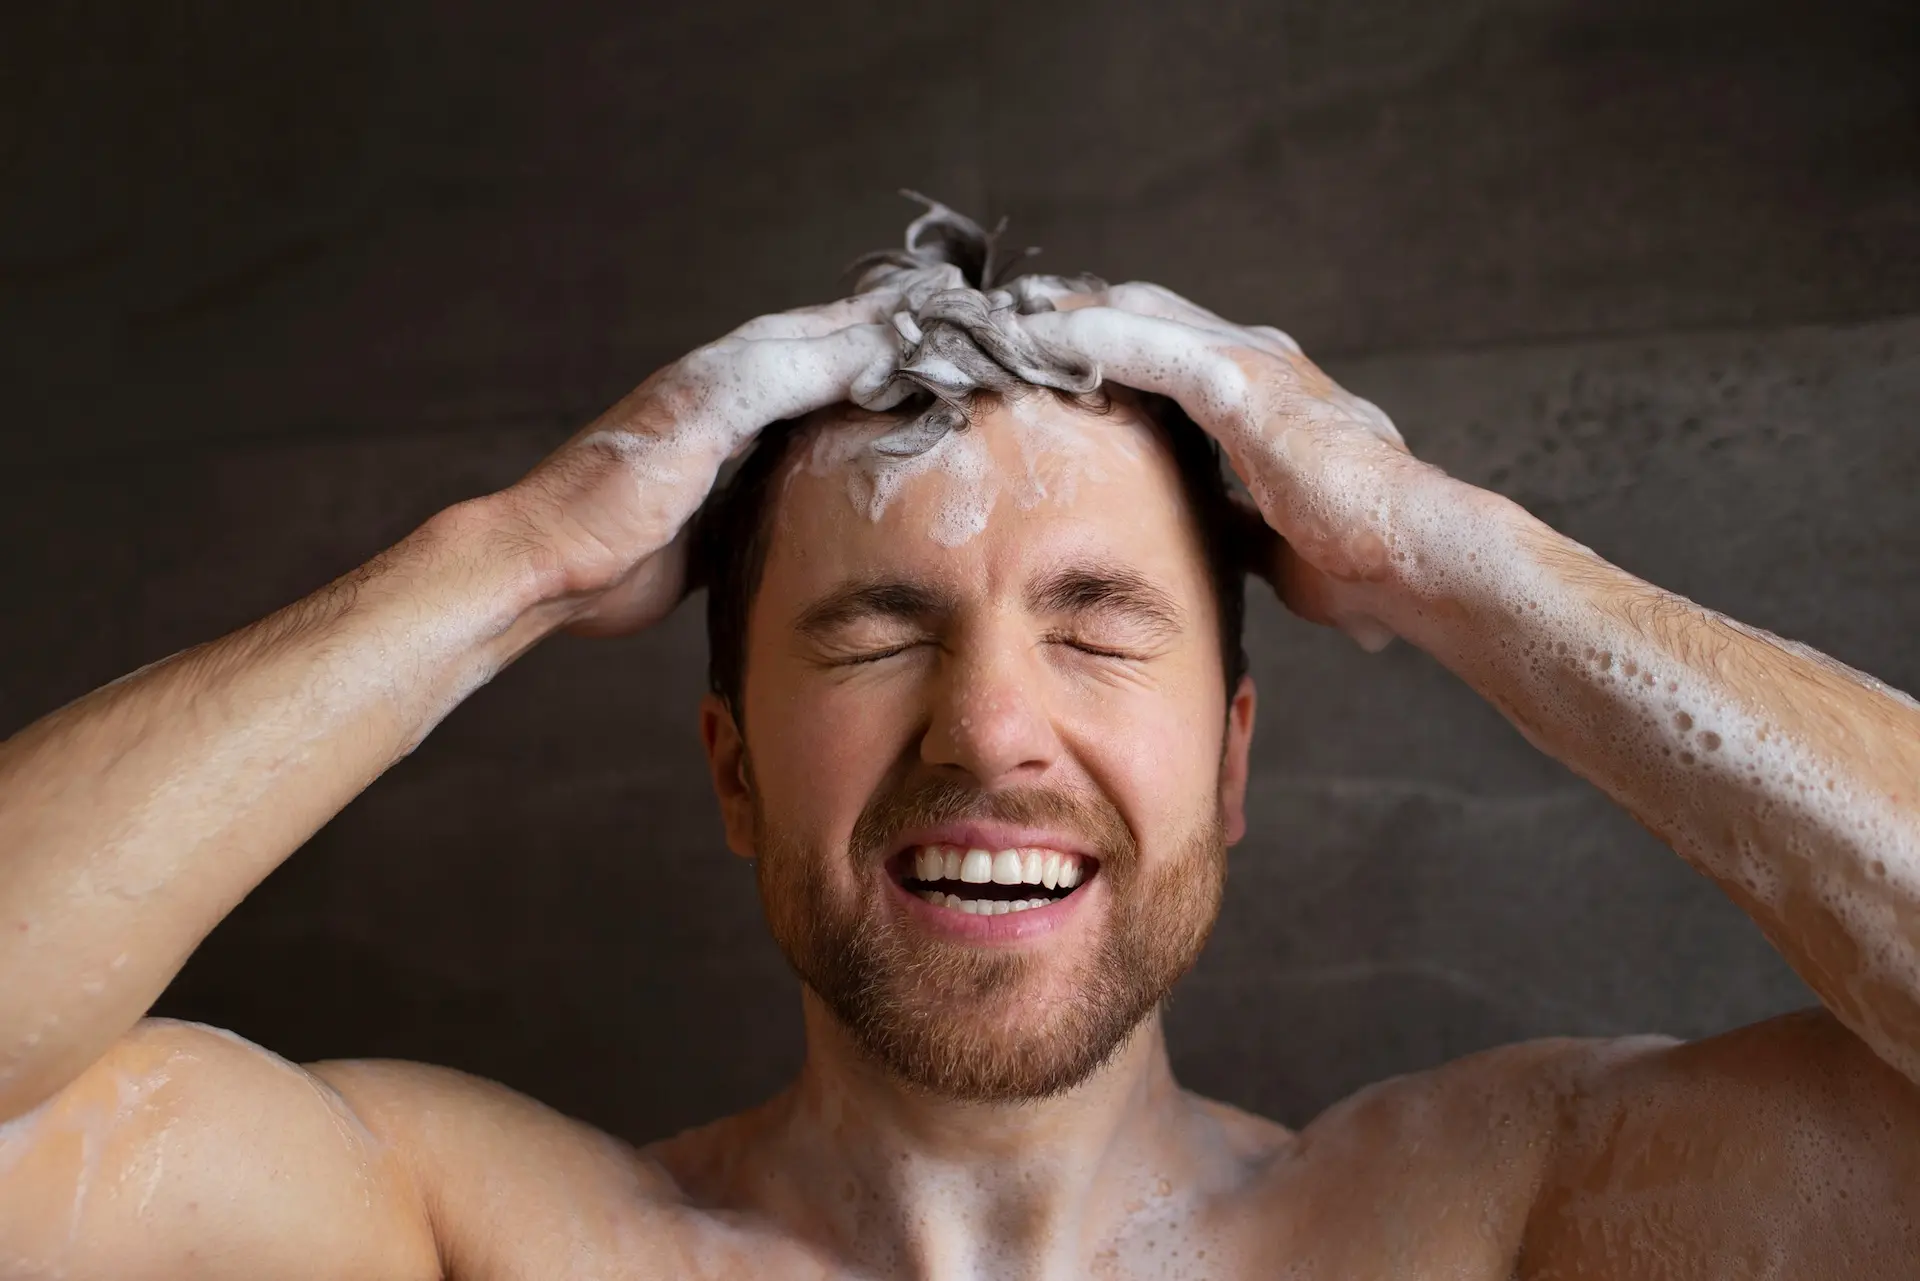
point(975, 1061)
point(981, 1026)
point(990, 1007)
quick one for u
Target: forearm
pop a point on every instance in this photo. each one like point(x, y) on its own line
point(1788, 779)
point(134, 819)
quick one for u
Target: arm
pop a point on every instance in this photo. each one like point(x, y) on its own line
point(132, 820)
point(1791, 781)
point(186, 1152)
point(1784, 776)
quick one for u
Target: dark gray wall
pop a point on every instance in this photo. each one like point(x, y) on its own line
point(271, 292)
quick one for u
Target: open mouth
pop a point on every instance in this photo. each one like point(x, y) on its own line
point(990, 882)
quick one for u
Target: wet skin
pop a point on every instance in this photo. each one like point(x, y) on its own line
point(136, 818)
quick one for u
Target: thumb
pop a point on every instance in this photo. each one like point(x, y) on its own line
point(1308, 592)
point(1301, 588)
point(1321, 598)
point(642, 596)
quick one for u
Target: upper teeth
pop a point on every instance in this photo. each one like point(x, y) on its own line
point(1050, 868)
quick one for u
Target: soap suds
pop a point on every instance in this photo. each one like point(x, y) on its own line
point(1057, 450)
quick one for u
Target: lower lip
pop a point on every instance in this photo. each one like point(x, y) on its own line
point(975, 927)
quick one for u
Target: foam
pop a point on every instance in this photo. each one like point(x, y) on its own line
point(1325, 467)
point(1732, 751)
point(113, 1108)
point(1055, 451)
point(1755, 792)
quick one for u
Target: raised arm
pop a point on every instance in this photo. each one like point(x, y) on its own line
point(1792, 781)
point(134, 819)
point(1789, 779)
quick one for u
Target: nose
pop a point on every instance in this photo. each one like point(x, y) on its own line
point(990, 716)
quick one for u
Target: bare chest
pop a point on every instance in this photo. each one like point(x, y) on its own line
point(1301, 1220)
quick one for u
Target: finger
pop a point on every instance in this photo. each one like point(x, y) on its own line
point(817, 322)
point(1062, 292)
point(1376, 421)
point(1260, 545)
point(739, 386)
point(1279, 338)
point(1144, 299)
point(674, 430)
point(1150, 353)
point(1148, 299)
point(646, 594)
point(1320, 598)
point(1302, 588)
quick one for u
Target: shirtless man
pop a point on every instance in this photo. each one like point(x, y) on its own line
point(979, 720)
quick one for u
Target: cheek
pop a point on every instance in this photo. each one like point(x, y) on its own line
point(819, 754)
point(1156, 754)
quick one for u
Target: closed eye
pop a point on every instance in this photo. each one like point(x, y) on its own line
point(1098, 651)
point(1114, 604)
point(875, 655)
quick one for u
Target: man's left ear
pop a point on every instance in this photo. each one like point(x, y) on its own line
point(1233, 760)
point(727, 762)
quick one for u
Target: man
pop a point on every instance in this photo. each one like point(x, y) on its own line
point(978, 716)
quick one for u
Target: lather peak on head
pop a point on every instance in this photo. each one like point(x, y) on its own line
point(959, 325)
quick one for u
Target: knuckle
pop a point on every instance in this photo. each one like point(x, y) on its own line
point(675, 402)
point(705, 360)
point(1138, 293)
point(1278, 336)
point(763, 327)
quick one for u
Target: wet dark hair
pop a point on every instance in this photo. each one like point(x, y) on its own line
point(961, 345)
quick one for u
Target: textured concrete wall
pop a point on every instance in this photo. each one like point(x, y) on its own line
point(271, 294)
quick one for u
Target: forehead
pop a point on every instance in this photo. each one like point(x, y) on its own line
point(1030, 484)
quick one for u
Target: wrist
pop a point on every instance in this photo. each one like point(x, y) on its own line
point(494, 589)
point(1452, 550)
point(1467, 561)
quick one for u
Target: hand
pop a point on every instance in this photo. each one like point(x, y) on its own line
point(1327, 470)
point(605, 513)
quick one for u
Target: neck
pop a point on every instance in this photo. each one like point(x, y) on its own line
point(908, 1183)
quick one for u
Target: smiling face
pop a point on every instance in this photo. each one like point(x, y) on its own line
point(990, 767)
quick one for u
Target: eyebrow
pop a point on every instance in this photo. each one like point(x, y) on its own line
point(1083, 589)
point(885, 598)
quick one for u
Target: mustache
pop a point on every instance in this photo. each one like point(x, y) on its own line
point(931, 801)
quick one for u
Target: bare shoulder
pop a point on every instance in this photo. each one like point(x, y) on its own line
point(1781, 1149)
point(181, 1135)
point(1784, 1148)
point(515, 1189)
point(1496, 1110)
point(184, 1136)
point(464, 1137)
point(1431, 1173)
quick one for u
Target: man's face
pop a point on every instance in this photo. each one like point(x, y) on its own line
point(988, 769)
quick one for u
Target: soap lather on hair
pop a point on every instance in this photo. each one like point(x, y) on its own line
point(960, 326)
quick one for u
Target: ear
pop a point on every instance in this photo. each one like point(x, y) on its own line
point(727, 762)
point(1233, 760)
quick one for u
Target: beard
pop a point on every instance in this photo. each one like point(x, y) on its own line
point(979, 1024)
